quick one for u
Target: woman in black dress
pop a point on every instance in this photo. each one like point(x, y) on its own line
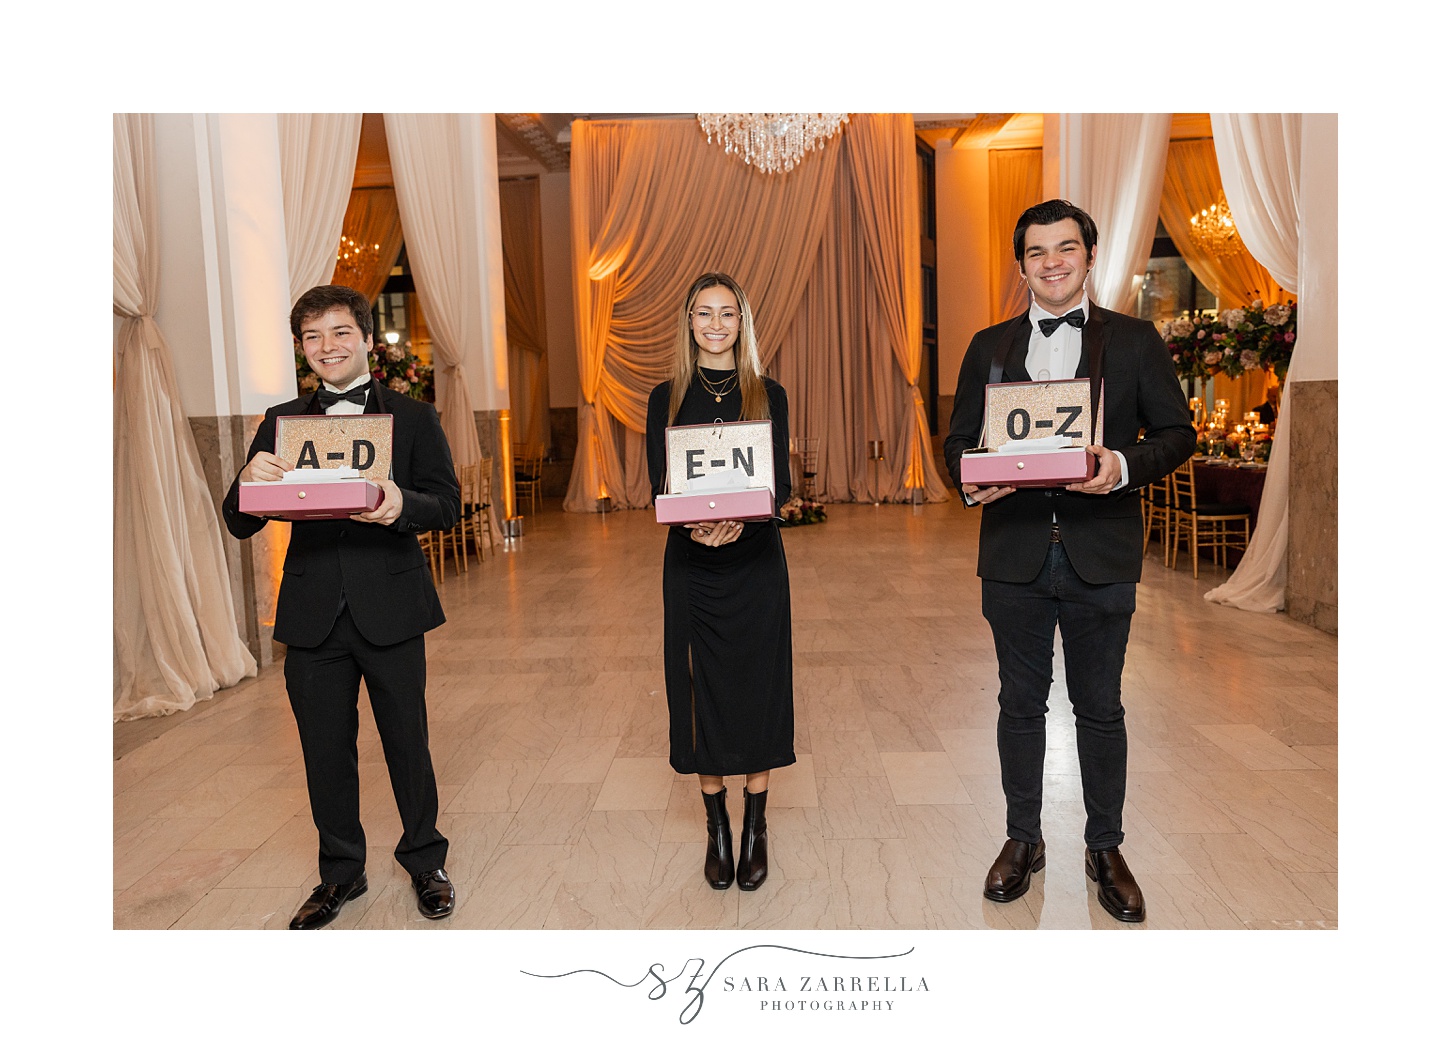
point(727, 596)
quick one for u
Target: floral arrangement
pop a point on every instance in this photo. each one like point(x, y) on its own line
point(797, 511)
point(394, 365)
point(1235, 340)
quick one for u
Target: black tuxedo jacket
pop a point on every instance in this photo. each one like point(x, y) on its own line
point(1144, 415)
point(380, 569)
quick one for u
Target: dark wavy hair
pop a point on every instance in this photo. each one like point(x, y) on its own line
point(1050, 212)
point(322, 299)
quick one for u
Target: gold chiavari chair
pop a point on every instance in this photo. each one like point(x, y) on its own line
point(810, 448)
point(1157, 507)
point(432, 544)
point(474, 521)
point(455, 541)
point(528, 471)
point(1220, 526)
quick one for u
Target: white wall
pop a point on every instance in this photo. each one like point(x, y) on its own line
point(963, 305)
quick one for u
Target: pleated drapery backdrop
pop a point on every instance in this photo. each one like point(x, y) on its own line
point(1015, 182)
point(319, 152)
point(1259, 163)
point(1192, 184)
point(425, 152)
point(524, 310)
point(653, 205)
point(1122, 165)
point(175, 630)
point(372, 220)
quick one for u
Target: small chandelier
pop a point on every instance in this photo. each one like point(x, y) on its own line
point(355, 259)
point(1213, 229)
point(772, 142)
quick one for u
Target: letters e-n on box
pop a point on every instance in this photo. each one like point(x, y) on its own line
point(741, 449)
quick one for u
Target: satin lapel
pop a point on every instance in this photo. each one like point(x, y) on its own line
point(1090, 363)
point(1095, 337)
point(313, 407)
point(1015, 366)
point(375, 398)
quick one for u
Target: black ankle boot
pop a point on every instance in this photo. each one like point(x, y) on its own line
point(751, 872)
point(719, 871)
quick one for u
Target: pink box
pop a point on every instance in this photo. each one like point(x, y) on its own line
point(734, 504)
point(298, 501)
point(1029, 470)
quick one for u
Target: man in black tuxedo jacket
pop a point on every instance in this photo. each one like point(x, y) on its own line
point(355, 601)
point(1069, 558)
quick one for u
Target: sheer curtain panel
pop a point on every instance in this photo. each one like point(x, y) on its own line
point(319, 152)
point(1122, 164)
point(1191, 184)
point(653, 205)
point(175, 630)
point(372, 219)
point(1015, 182)
point(1259, 163)
point(524, 308)
point(426, 151)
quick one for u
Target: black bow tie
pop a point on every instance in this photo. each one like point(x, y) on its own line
point(328, 398)
point(1074, 318)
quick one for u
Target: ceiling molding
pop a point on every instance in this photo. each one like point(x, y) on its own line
point(529, 136)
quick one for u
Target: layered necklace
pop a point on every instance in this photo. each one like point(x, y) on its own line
point(719, 388)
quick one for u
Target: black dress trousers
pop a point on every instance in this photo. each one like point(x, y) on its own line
point(322, 685)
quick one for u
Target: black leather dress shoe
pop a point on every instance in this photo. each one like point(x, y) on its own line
point(325, 902)
point(1013, 871)
point(1118, 891)
point(435, 894)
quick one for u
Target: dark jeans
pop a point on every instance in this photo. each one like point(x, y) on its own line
point(322, 684)
point(1094, 621)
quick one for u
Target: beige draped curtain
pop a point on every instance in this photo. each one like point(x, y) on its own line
point(426, 154)
point(653, 206)
point(175, 630)
point(372, 220)
point(883, 157)
point(1191, 184)
point(319, 152)
point(524, 310)
point(1015, 182)
point(1259, 162)
point(1122, 165)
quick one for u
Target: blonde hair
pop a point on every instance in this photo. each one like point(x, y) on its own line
point(754, 405)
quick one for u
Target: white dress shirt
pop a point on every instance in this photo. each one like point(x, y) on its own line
point(1057, 357)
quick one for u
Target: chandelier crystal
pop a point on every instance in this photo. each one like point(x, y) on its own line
point(772, 142)
point(354, 259)
point(1213, 229)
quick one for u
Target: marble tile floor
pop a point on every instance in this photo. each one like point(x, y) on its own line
point(549, 740)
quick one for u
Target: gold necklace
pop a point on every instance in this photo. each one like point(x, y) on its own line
point(724, 388)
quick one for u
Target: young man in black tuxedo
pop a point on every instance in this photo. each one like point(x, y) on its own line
point(1067, 559)
point(355, 601)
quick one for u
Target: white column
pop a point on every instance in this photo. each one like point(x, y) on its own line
point(488, 375)
point(223, 299)
point(1316, 346)
point(1063, 176)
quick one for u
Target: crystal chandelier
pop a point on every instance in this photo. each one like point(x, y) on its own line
point(355, 259)
point(771, 142)
point(1213, 229)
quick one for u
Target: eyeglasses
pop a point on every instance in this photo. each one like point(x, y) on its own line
point(726, 316)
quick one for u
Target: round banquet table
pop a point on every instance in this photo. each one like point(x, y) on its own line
point(1230, 483)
